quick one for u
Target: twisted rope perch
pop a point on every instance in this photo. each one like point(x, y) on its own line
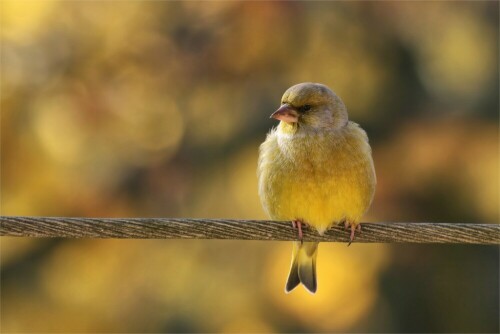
point(186, 228)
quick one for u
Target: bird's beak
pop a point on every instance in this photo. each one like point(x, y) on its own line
point(286, 113)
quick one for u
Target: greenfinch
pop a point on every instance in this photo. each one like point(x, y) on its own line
point(315, 168)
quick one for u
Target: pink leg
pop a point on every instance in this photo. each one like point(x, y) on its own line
point(353, 230)
point(298, 225)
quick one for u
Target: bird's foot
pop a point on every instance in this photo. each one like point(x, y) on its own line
point(298, 225)
point(354, 227)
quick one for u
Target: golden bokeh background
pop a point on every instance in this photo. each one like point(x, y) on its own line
point(157, 109)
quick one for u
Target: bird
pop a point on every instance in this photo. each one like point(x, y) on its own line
point(315, 169)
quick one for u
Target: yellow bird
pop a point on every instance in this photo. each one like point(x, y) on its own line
point(314, 169)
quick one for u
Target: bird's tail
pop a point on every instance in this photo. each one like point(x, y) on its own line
point(303, 269)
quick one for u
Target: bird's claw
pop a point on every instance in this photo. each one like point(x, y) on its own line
point(354, 228)
point(298, 225)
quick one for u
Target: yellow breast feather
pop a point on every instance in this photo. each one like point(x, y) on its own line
point(321, 178)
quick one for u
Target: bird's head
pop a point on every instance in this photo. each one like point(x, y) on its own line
point(311, 106)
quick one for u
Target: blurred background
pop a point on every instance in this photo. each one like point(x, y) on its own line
point(157, 109)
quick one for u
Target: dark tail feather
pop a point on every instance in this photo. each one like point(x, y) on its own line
point(293, 277)
point(303, 268)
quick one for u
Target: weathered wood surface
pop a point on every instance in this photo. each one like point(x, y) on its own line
point(186, 228)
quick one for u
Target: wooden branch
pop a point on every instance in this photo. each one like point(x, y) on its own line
point(185, 228)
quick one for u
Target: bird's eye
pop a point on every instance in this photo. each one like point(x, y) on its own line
point(304, 108)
